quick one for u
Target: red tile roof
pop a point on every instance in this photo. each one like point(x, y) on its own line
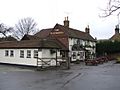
point(73, 33)
point(30, 37)
point(115, 37)
point(44, 43)
point(42, 39)
point(44, 33)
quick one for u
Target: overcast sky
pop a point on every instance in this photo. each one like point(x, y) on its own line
point(49, 12)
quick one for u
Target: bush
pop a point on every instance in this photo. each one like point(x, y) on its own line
point(107, 47)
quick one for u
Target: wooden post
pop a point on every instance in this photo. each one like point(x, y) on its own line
point(37, 63)
point(56, 58)
point(67, 60)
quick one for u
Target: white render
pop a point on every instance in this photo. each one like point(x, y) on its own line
point(78, 57)
point(84, 43)
point(43, 53)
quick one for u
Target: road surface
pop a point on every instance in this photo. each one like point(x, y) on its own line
point(79, 77)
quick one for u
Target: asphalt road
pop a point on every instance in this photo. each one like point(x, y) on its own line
point(79, 77)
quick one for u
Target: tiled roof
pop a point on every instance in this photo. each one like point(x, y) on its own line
point(74, 33)
point(30, 37)
point(115, 37)
point(44, 33)
point(44, 43)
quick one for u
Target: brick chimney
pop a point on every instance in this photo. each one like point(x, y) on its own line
point(117, 29)
point(87, 29)
point(66, 22)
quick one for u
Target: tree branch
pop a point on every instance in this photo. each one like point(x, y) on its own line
point(113, 6)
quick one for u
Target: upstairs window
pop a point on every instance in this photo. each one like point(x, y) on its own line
point(11, 53)
point(28, 53)
point(6, 53)
point(35, 53)
point(21, 53)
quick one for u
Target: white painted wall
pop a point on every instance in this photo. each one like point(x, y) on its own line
point(80, 57)
point(44, 53)
point(73, 41)
point(47, 56)
point(16, 58)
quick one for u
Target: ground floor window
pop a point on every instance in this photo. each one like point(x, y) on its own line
point(11, 53)
point(74, 55)
point(35, 53)
point(62, 53)
point(21, 53)
point(81, 54)
point(28, 53)
point(6, 53)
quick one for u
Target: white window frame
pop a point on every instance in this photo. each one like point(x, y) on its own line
point(74, 55)
point(6, 53)
point(35, 53)
point(11, 53)
point(28, 53)
point(21, 53)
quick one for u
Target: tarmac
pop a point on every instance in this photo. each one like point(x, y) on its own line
point(80, 77)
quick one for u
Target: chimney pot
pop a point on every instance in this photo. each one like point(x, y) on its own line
point(66, 22)
point(67, 18)
point(117, 29)
point(87, 29)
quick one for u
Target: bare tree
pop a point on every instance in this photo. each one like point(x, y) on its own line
point(112, 7)
point(4, 30)
point(25, 26)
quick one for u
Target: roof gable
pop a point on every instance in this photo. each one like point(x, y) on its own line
point(70, 32)
point(44, 33)
point(29, 37)
point(115, 37)
point(74, 33)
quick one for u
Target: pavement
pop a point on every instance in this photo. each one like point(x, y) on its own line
point(80, 77)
